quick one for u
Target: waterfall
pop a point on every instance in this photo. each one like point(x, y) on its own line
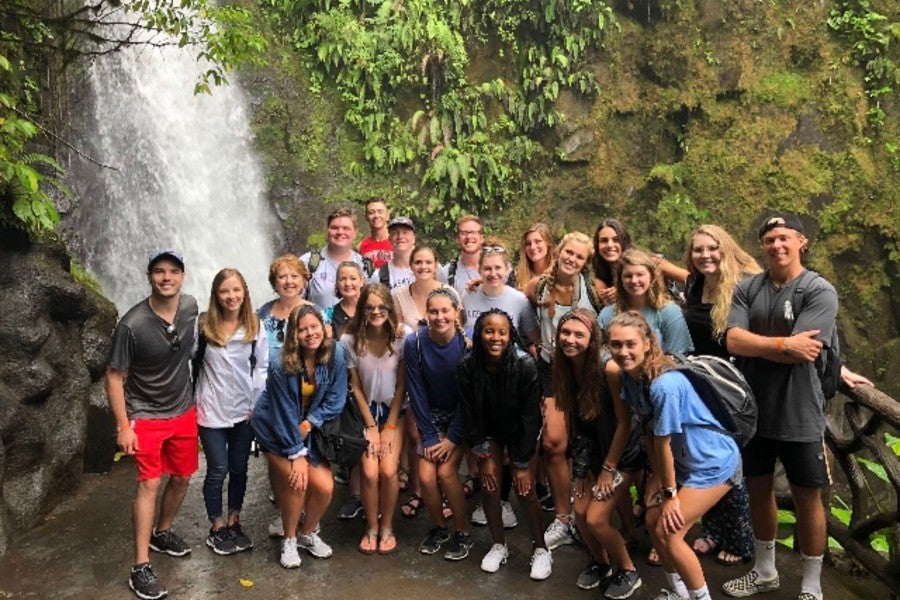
point(186, 177)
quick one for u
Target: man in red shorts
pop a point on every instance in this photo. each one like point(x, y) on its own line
point(149, 388)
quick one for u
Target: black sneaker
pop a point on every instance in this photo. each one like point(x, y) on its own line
point(169, 542)
point(623, 585)
point(241, 541)
point(434, 540)
point(351, 509)
point(593, 575)
point(221, 542)
point(144, 582)
point(459, 546)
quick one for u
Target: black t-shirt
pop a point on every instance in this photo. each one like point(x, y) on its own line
point(699, 321)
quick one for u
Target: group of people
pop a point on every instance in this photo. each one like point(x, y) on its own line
point(554, 379)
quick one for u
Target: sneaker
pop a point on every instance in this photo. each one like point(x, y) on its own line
point(314, 545)
point(169, 542)
point(508, 515)
point(221, 542)
point(459, 546)
point(495, 557)
point(351, 509)
point(290, 558)
point(623, 585)
point(808, 596)
point(241, 541)
point(541, 564)
point(144, 582)
point(750, 584)
point(434, 540)
point(276, 527)
point(667, 594)
point(558, 534)
point(592, 575)
point(478, 517)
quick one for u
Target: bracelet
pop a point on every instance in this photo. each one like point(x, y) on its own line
point(375, 426)
point(305, 426)
point(121, 428)
point(609, 467)
point(779, 344)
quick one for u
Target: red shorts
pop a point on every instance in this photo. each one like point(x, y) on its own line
point(167, 446)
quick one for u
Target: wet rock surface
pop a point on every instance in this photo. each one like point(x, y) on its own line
point(84, 550)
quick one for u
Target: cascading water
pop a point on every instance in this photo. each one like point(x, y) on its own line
point(186, 177)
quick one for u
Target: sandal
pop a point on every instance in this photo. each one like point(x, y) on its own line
point(403, 479)
point(412, 506)
point(653, 558)
point(471, 486)
point(369, 543)
point(446, 511)
point(387, 542)
point(728, 559)
point(704, 546)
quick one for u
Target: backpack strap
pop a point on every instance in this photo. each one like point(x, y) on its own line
point(253, 357)
point(368, 266)
point(384, 275)
point(315, 258)
point(197, 360)
point(451, 272)
point(756, 285)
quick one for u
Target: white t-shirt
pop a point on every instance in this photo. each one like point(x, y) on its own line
point(377, 374)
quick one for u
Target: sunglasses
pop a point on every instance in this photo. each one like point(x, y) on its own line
point(369, 308)
point(174, 340)
point(493, 250)
point(280, 335)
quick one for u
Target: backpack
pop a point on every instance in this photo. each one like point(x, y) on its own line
point(724, 391)
point(828, 363)
point(315, 259)
point(341, 440)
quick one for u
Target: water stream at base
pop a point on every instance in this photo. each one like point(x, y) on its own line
point(187, 177)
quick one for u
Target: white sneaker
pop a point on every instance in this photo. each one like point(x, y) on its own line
point(314, 544)
point(495, 557)
point(558, 534)
point(509, 516)
point(290, 558)
point(478, 516)
point(541, 564)
point(276, 528)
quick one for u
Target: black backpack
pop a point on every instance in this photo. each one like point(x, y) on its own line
point(828, 363)
point(725, 392)
point(342, 440)
point(315, 259)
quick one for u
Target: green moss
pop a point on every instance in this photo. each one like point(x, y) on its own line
point(784, 89)
point(81, 276)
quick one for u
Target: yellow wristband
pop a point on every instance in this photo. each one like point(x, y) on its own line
point(779, 344)
point(121, 428)
point(305, 426)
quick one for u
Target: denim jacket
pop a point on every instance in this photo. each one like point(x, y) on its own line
point(277, 414)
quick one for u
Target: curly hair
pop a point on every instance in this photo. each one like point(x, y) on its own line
point(358, 326)
point(581, 388)
point(546, 287)
point(655, 362)
point(211, 320)
point(735, 264)
point(656, 295)
point(291, 261)
point(606, 272)
point(292, 361)
point(525, 268)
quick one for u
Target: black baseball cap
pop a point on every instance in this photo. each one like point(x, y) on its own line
point(167, 254)
point(787, 220)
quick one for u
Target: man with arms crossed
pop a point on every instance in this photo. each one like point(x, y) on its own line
point(779, 344)
point(149, 388)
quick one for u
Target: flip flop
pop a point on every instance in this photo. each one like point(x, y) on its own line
point(710, 546)
point(369, 543)
point(411, 507)
point(387, 543)
point(403, 479)
point(653, 558)
point(471, 486)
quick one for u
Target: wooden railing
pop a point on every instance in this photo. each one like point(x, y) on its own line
point(856, 429)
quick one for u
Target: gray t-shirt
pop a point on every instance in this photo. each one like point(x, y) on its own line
point(158, 385)
point(511, 301)
point(321, 288)
point(791, 403)
point(461, 276)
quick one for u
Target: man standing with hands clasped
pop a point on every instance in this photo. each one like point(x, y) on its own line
point(149, 388)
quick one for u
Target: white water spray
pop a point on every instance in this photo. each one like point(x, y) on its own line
point(187, 177)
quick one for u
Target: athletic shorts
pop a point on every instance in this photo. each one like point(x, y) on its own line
point(805, 463)
point(166, 446)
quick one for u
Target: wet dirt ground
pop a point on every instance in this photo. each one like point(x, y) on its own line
point(84, 550)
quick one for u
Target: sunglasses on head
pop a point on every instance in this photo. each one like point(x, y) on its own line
point(279, 323)
point(493, 250)
point(174, 339)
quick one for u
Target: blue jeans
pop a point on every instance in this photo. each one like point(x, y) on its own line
point(227, 451)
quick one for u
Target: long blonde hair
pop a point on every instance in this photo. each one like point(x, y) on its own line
point(524, 271)
point(211, 320)
point(734, 265)
point(545, 294)
point(656, 294)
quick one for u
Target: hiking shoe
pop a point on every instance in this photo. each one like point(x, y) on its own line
point(434, 540)
point(478, 517)
point(459, 546)
point(144, 582)
point(541, 564)
point(667, 594)
point(290, 558)
point(508, 515)
point(314, 545)
point(592, 575)
point(750, 584)
point(495, 557)
point(221, 542)
point(558, 534)
point(623, 585)
point(241, 541)
point(169, 542)
point(351, 509)
point(276, 527)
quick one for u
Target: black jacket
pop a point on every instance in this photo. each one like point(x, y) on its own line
point(520, 404)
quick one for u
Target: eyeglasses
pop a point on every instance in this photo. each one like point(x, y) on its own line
point(174, 340)
point(493, 250)
point(468, 232)
point(280, 335)
point(370, 308)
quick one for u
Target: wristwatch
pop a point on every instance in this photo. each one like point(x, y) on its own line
point(669, 492)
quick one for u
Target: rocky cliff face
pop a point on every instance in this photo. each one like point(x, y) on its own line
point(54, 340)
